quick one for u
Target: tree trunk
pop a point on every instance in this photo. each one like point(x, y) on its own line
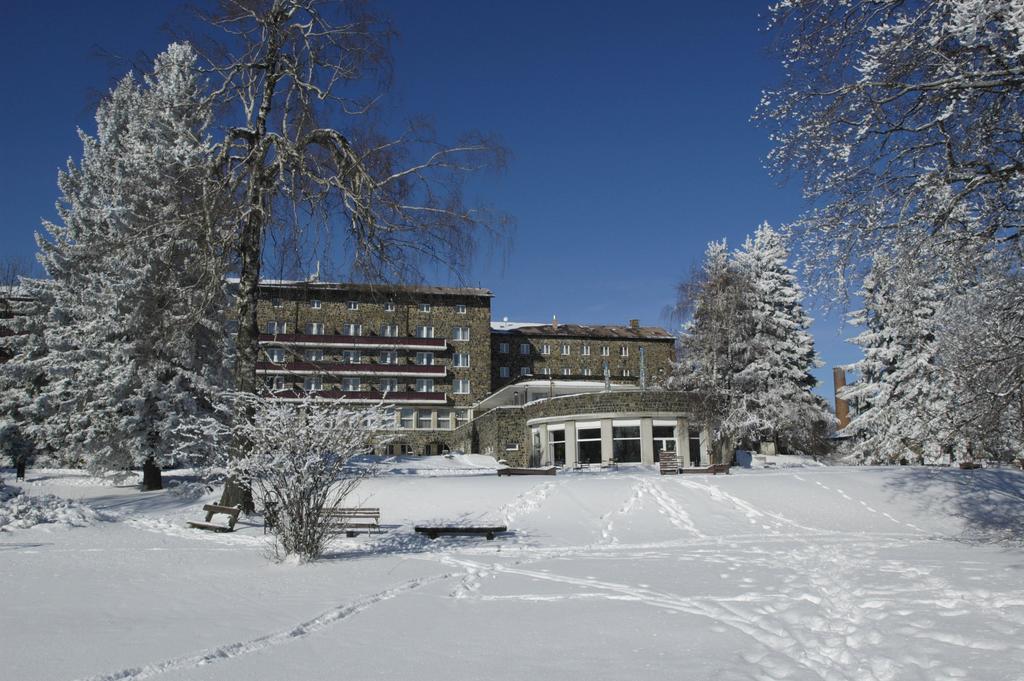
point(20, 469)
point(151, 477)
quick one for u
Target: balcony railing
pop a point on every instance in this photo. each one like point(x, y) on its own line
point(364, 396)
point(349, 369)
point(371, 342)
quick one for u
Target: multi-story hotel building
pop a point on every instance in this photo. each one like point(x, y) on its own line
point(457, 380)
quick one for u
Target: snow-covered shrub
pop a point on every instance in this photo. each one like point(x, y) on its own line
point(22, 511)
point(295, 455)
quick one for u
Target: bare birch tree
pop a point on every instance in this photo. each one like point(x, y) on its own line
point(298, 84)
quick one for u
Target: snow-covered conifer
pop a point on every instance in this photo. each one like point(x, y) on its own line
point(133, 333)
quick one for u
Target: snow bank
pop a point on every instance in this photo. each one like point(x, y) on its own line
point(18, 510)
point(444, 464)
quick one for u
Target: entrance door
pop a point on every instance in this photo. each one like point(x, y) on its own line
point(694, 449)
point(664, 441)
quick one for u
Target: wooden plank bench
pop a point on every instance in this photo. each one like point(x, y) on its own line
point(668, 464)
point(436, 531)
point(352, 520)
point(212, 510)
point(549, 470)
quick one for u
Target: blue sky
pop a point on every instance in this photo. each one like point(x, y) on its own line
point(629, 128)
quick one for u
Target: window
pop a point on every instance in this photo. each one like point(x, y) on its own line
point(460, 309)
point(566, 371)
point(503, 348)
point(277, 327)
point(314, 303)
point(314, 328)
point(405, 418)
point(275, 382)
point(664, 439)
point(424, 307)
point(525, 371)
point(276, 302)
point(423, 419)
point(586, 371)
point(556, 444)
point(460, 333)
point(460, 359)
point(565, 349)
point(312, 384)
point(585, 350)
point(588, 443)
point(351, 356)
point(460, 386)
point(503, 372)
point(524, 348)
point(424, 385)
point(626, 373)
point(624, 351)
point(350, 385)
point(461, 417)
point(389, 357)
point(389, 307)
point(275, 354)
point(425, 358)
point(424, 332)
point(604, 351)
point(693, 446)
point(546, 371)
point(388, 385)
point(351, 329)
point(626, 443)
point(545, 349)
point(353, 305)
point(389, 330)
point(444, 419)
point(313, 355)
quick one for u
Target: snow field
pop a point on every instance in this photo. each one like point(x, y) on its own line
point(810, 573)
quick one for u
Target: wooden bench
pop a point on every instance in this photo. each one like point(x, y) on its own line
point(549, 470)
point(713, 469)
point(436, 531)
point(212, 510)
point(352, 520)
point(668, 463)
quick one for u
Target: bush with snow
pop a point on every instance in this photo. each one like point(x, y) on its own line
point(18, 510)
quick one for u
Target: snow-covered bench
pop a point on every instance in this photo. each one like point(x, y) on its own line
point(351, 520)
point(212, 510)
point(434, 531)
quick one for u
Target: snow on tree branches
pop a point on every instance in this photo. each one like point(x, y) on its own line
point(134, 336)
point(745, 348)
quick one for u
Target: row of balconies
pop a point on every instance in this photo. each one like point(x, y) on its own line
point(355, 342)
point(351, 369)
point(365, 396)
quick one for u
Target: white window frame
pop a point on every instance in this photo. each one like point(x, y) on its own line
point(460, 309)
point(503, 372)
point(460, 386)
point(276, 302)
point(424, 359)
point(351, 357)
point(525, 371)
point(623, 351)
point(462, 417)
point(407, 418)
point(585, 350)
point(352, 305)
point(545, 349)
point(314, 303)
point(312, 384)
point(566, 350)
point(315, 328)
point(606, 351)
point(460, 333)
point(626, 373)
point(586, 371)
point(566, 371)
point(424, 308)
point(389, 330)
point(424, 419)
point(424, 385)
point(460, 360)
point(351, 329)
point(424, 331)
point(389, 307)
point(545, 371)
point(350, 381)
point(388, 385)
point(503, 348)
point(276, 382)
point(388, 357)
point(524, 348)
point(313, 355)
point(273, 355)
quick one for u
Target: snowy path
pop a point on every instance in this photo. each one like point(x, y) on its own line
point(822, 575)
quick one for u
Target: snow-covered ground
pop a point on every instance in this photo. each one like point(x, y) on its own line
point(787, 573)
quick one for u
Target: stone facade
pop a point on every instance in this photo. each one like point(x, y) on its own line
point(580, 352)
point(506, 432)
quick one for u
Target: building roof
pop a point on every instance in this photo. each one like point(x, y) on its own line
point(372, 288)
point(583, 331)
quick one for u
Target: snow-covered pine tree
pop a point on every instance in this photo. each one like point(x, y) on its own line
point(134, 334)
point(713, 304)
point(778, 354)
point(905, 400)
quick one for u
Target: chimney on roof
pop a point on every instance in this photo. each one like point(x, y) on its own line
point(554, 322)
point(634, 323)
